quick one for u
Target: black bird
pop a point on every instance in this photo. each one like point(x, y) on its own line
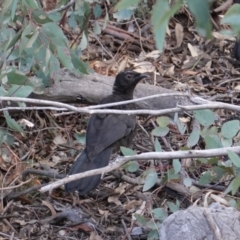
point(106, 133)
point(236, 49)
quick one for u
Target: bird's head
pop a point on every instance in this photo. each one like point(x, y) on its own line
point(126, 82)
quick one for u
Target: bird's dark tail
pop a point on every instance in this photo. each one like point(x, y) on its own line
point(83, 164)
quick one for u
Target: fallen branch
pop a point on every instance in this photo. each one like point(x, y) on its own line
point(144, 156)
point(92, 110)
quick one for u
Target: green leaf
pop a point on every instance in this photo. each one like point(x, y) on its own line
point(213, 142)
point(176, 165)
point(187, 182)
point(150, 181)
point(205, 178)
point(226, 142)
point(232, 17)
point(181, 127)
point(141, 219)
point(200, 10)
point(33, 39)
point(171, 174)
point(161, 15)
point(15, 39)
point(229, 188)
point(54, 34)
point(32, 4)
point(234, 158)
point(28, 30)
point(127, 151)
point(124, 14)
point(20, 91)
point(54, 67)
point(219, 172)
point(13, 9)
point(153, 234)
point(162, 121)
point(205, 117)
point(193, 138)
point(16, 78)
point(157, 146)
point(84, 42)
point(153, 224)
point(229, 129)
point(12, 123)
point(235, 185)
point(173, 207)
point(41, 17)
point(97, 11)
point(78, 63)
point(5, 137)
point(131, 166)
point(96, 28)
point(81, 138)
point(160, 131)
point(159, 213)
point(209, 131)
point(65, 57)
point(6, 5)
point(124, 4)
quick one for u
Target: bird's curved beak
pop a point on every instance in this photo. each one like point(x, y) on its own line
point(141, 76)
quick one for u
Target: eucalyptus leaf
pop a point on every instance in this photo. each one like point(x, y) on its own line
point(173, 207)
point(200, 10)
point(161, 15)
point(81, 138)
point(177, 165)
point(213, 142)
point(12, 123)
point(132, 166)
point(193, 138)
point(150, 181)
point(65, 57)
point(157, 146)
point(162, 121)
point(187, 182)
point(159, 213)
point(124, 4)
point(205, 117)
point(127, 151)
point(235, 185)
point(234, 158)
point(160, 131)
point(230, 129)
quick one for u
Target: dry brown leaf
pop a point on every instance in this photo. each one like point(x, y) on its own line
point(193, 50)
point(59, 139)
point(189, 72)
point(132, 204)
point(179, 34)
point(220, 36)
point(144, 67)
point(49, 205)
point(94, 236)
point(153, 54)
point(219, 199)
point(169, 72)
point(123, 64)
point(25, 122)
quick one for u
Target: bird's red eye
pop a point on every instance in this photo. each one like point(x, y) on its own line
point(128, 76)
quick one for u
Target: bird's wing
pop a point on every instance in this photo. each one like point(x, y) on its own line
point(105, 130)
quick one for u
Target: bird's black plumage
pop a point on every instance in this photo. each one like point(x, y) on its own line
point(106, 133)
point(236, 49)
